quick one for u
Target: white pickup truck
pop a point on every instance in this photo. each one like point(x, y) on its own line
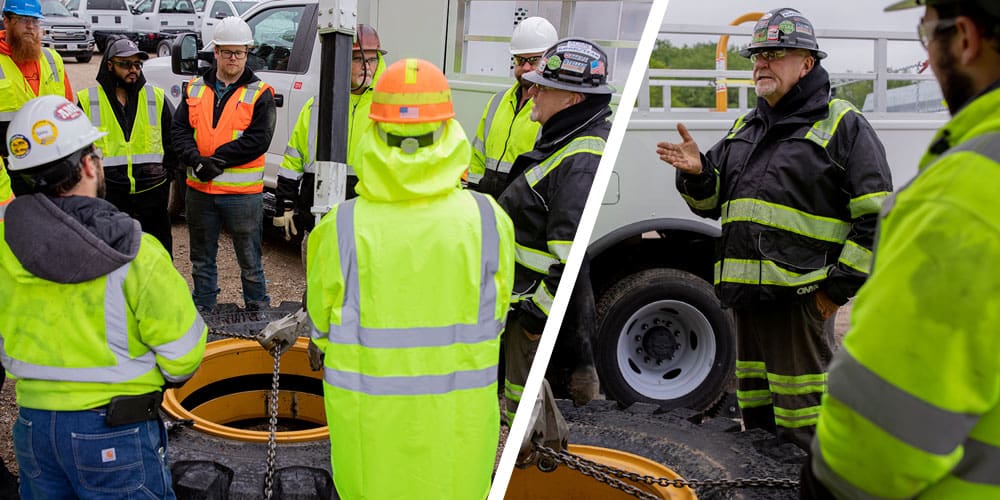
point(156, 21)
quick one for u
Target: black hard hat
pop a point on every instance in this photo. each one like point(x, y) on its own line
point(784, 28)
point(573, 64)
point(990, 6)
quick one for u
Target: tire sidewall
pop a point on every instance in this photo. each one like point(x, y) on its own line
point(631, 293)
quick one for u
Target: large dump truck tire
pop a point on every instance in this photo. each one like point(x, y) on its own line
point(664, 339)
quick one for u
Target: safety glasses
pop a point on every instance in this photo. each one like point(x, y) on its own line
point(127, 64)
point(520, 61)
point(926, 30)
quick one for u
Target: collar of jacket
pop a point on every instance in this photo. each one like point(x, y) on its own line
point(563, 126)
point(84, 238)
point(977, 117)
point(806, 102)
point(246, 78)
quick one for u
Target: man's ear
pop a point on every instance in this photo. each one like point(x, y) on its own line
point(808, 63)
point(970, 40)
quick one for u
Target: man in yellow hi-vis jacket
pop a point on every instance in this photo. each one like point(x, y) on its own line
point(94, 319)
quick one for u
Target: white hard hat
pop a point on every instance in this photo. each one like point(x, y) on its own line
point(47, 129)
point(232, 31)
point(532, 36)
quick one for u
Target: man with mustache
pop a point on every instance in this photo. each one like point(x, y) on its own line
point(31, 72)
point(797, 185)
point(137, 152)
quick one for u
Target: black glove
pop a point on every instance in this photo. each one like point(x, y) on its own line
point(207, 169)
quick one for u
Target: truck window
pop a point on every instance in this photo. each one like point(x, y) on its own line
point(106, 5)
point(176, 7)
point(242, 7)
point(220, 10)
point(274, 33)
point(143, 7)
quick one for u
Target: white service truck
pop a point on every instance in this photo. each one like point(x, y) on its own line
point(662, 336)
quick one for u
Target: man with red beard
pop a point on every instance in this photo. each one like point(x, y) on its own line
point(32, 72)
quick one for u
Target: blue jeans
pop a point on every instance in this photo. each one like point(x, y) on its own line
point(242, 215)
point(74, 454)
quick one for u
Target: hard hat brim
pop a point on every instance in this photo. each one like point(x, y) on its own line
point(535, 77)
point(903, 5)
point(521, 52)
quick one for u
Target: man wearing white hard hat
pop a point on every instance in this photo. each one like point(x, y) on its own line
point(233, 113)
point(506, 130)
point(94, 319)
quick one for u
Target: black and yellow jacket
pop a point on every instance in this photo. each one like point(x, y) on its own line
point(798, 189)
point(546, 199)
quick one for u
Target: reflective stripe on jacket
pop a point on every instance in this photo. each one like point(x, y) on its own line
point(247, 178)
point(408, 300)
point(798, 197)
point(75, 346)
point(913, 408)
point(6, 194)
point(504, 133)
point(145, 144)
point(15, 90)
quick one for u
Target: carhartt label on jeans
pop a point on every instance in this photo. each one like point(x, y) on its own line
point(108, 455)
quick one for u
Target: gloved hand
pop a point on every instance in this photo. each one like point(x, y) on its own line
point(281, 334)
point(315, 357)
point(287, 221)
point(207, 169)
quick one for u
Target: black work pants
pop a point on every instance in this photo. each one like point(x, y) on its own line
point(782, 356)
point(148, 207)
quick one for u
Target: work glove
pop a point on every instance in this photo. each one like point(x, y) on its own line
point(279, 335)
point(287, 221)
point(207, 168)
point(315, 357)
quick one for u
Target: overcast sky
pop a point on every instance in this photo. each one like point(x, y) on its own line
point(835, 14)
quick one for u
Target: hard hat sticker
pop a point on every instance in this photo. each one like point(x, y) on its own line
point(803, 28)
point(553, 63)
point(408, 112)
point(576, 57)
point(574, 66)
point(760, 35)
point(19, 146)
point(596, 67)
point(579, 47)
point(773, 33)
point(66, 112)
point(786, 27)
point(44, 132)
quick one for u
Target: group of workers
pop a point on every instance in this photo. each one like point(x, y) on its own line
point(910, 406)
point(409, 281)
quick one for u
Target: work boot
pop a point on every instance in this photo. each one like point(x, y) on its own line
point(584, 385)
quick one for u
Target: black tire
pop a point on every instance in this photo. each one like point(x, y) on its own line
point(84, 59)
point(664, 325)
point(163, 48)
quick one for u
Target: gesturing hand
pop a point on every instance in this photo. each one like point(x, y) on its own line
point(684, 156)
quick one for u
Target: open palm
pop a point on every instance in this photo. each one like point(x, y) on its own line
point(684, 156)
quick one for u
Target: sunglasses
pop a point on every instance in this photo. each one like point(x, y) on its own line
point(128, 64)
point(925, 30)
point(533, 60)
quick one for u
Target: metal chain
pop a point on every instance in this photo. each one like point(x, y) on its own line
point(272, 429)
point(590, 468)
point(579, 464)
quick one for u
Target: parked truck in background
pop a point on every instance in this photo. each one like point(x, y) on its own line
point(69, 35)
point(156, 21)
point(662, 336)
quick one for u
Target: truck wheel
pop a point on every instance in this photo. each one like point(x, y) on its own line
point(664, 339)
point(163, 48)
point(84, 59)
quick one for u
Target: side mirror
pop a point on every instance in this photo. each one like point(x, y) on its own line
point(184, 54)
point(220, 15)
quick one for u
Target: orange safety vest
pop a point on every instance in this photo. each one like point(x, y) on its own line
point(247, 178)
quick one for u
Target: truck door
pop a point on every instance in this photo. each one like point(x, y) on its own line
point(284, 39)
point(144, 17)
point(216, 11)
